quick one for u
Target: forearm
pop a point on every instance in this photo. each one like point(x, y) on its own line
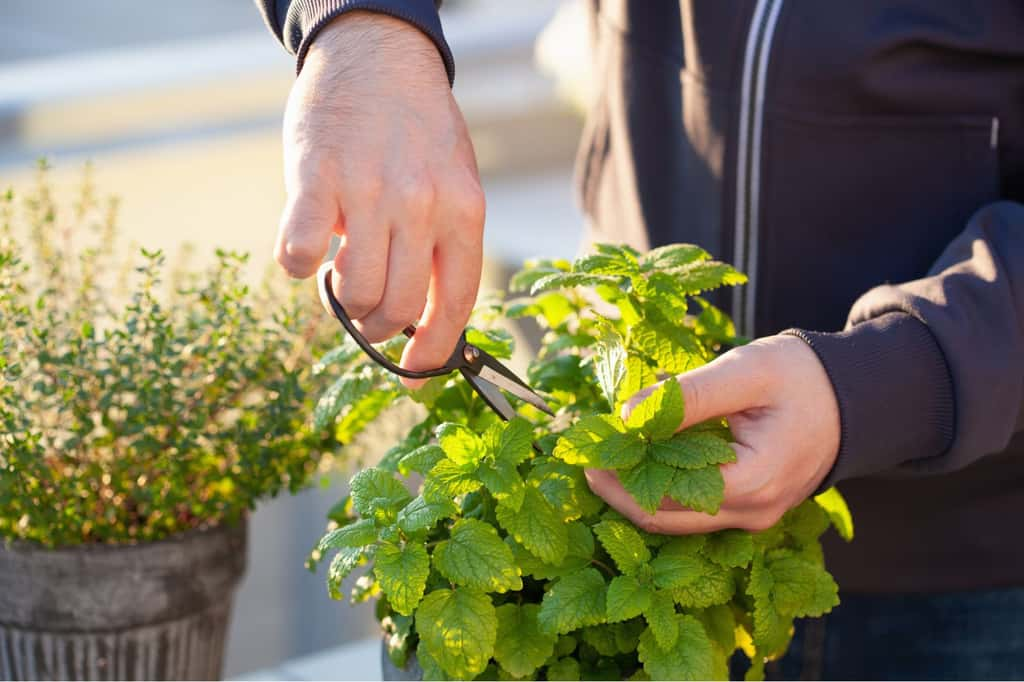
point(296, 23)
point(928, 374)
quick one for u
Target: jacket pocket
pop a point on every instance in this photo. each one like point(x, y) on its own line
point(851, 202)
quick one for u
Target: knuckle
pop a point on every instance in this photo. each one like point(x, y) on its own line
point(298, 257)
point(468, 203)
point(417, 196)
point(357, 300)
point(649, 523)
point(759, 523)
point(364, 187)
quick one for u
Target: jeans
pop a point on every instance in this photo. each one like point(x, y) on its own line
point(948, 636)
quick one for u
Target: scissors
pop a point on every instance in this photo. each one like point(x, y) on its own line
point(485, 374)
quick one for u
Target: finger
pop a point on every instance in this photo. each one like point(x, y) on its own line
point(361, 264)
point(405, 289)
point(308, 220)
point(452, 293)
point(730, 384)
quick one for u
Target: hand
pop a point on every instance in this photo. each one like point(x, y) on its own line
point(784, 416)
point(376, 151)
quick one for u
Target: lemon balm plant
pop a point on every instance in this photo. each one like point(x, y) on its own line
point(502, 564)
point(144, 409)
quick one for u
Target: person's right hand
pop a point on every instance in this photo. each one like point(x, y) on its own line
point(376, 151)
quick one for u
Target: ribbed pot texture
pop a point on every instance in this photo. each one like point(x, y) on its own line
point(154, 611)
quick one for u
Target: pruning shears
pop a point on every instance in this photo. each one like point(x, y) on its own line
point(485, 374)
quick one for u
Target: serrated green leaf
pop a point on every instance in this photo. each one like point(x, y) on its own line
point(714, 586)
point(698, 489)
point(648, 483)
point(673, 256)
point(623, 544)
point(672, 348)
point(693, 450)
point(639, 375)
point(432, 670)
point(674, 569)
point(564, 669)
point(732, 548)
point(537, 526)
point(659, 414)
point(600, 442)
point(521, 647)
point(805, 522)
point(502, 479)
point(800, 587)
point(420, 514)
point(713, 324)
point(375, 489)
point(574, 601)
point(421, 460)
point(695, 278)
point(692, 657)
point(363, 411)
point(627, 598)
point(342, 393)
point(338, 356)
point(534, 270)
point(461, 445)
point(720, 624)
point(458, 628)
point(357, 534)
point(610, 366)
point(579, 552)
point(402, 573)
point(475, 556)
point(615, 265)
point(661, 620)
point(515, 443)
point(496, 342)
point(341, 565)
point(569, 280)
point(838, 512)
point(448, 480)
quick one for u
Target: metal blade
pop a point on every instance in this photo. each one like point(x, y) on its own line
point(517, 389)
point(491, 395)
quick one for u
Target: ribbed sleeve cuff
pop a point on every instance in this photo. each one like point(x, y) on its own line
point(894, 391)
point(306, 18)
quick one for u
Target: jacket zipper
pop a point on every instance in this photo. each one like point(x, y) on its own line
point(748, 158)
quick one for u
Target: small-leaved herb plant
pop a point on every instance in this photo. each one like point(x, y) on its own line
point(132, 409)
point(493, 561)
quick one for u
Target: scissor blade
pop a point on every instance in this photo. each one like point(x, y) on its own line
point(488, 374)
point(491, 395)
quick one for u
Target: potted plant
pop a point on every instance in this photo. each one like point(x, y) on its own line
point(139, 422)
point(503, 564)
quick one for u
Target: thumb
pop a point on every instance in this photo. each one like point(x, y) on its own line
point(732, 383)
point(307, 222)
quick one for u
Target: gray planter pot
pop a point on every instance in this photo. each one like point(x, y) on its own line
point(390, 671)
point(152, 611)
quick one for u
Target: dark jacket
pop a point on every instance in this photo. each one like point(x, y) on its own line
point(863, 162)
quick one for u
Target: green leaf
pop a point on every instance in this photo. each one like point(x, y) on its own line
point(698, 489)
point(618, 265)
point(521, 646)
point(673, 256)
point(805, 522)
point(623, 544)
point(800, 587)
point(458, 628)
point(693, 450)
point(574, 601)
point(515, 444)
point(600, 442)
point(660, 414)
point(835, 506)
point(627, 598)
point(461, 445)
point(565, 487)
point(713, 324)
point(706, 275)
point(720, 624)
point(674, 569)
point(432, 670)
point(648, 483)
point(714, 586)
point(421, 460)
point(639, 376)
point(448, 480)
point(610, 366)
point(536, 525)
point(342, 393)
point(579, 552)
point(420, 514)
point(692, 657)
point(402, 572)
point(569, 280)
point(357, 534)
point(376, 489)
point(502, 479)
point(535, 270)
point(564, 669)
point(732, 548)
point(496, 342)
point(475, 556)
point(674, 349)
point(341, 565)
point(661, 619)
point(362, 412)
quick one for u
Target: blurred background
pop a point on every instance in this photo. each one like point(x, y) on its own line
point(178, 106)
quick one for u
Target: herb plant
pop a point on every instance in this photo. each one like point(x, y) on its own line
point(131, 409)
point(504, 565)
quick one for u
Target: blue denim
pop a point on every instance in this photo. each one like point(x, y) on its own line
point(947, 636)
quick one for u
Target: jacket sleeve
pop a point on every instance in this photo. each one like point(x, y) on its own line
point(929, 374)
point(296, 22)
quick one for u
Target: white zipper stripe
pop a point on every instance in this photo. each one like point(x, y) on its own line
point(739, 253)
point(755, 166)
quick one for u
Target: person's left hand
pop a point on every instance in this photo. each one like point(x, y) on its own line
point(784, 417)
